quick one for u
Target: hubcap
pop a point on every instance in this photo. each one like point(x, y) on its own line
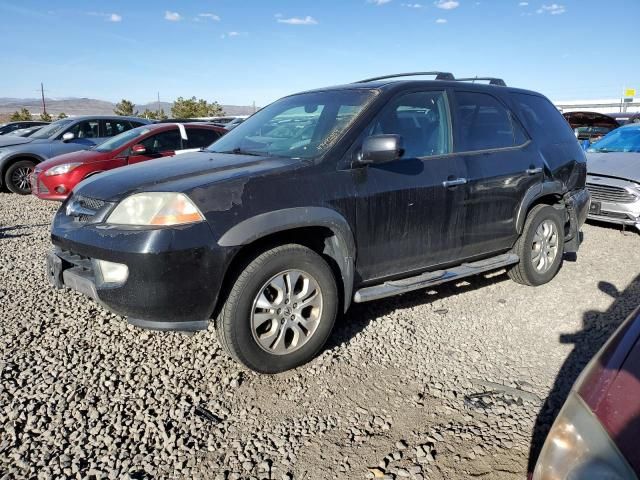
point(286, 312)
point(545, 246)
point(20, 178)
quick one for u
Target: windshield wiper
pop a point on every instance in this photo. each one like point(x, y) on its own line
point(239, 151)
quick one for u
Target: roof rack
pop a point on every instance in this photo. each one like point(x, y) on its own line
point(492, 80)
point(438, 75)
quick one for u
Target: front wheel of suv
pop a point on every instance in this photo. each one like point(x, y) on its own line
point(540, 247)
point(16, 178)
point(280, 310)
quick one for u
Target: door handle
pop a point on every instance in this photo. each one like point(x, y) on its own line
point(533, 171)
point(454, 182)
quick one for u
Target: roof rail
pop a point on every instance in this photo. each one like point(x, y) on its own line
point(438, 75)
point(492, 80)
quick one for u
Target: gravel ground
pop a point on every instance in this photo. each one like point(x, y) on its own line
point(440, 384)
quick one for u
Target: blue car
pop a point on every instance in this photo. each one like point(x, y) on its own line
point(20, 155)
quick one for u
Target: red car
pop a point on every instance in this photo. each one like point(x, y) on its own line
point(597, 432)
point(54, 179)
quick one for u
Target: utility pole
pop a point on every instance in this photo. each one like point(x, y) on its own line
point(158, 108)
point(254, 106)
point(44, 105)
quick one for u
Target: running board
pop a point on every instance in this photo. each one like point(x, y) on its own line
point(428, 279)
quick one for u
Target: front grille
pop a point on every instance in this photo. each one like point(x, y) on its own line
point(610, 193)
point(84, 209)
point(90, 203)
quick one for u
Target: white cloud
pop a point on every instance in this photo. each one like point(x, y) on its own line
point(523, 4)
point(232, 34)
point(441, 20)
point(172, 16)
point(447, 4)
point(212, 16)
point(308, 20)
point(109, 17)
point(378, 2)
point(553, 9)
point(412, 5)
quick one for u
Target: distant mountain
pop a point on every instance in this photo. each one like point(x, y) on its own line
point(91, 106)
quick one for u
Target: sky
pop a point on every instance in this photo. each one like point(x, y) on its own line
point(240, 51)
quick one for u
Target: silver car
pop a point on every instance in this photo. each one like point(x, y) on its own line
point(20, 155)
point(613, 177)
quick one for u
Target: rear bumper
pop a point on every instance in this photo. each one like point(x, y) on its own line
point(174, 275)
point(577, 203)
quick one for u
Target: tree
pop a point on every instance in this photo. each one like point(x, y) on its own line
point(45, 117)
point(21, 115)
point(193, 107)
point(62, 115)
point(154, 114)
point(125, 108)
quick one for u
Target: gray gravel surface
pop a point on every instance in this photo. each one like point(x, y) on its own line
point(447, 383)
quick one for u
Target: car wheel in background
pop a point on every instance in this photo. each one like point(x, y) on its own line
point(16, 178)
point(540, 247)
point(280, 310)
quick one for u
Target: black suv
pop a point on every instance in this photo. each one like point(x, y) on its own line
point(350, 193)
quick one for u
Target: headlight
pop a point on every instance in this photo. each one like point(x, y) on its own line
point(578, 447)
point(60, 169)
point(155, 208)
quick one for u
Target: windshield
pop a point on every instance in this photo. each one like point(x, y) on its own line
point(626, 139)
point(119, 140)
point(300, 126)
point(52, 129)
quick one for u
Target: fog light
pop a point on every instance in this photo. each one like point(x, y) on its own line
point(60, 189)
point(113, 272)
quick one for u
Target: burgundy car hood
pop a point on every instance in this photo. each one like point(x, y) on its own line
point(611, 388)
point(82, 156)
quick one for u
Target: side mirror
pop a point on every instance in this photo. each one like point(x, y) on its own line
point(67, 137)
point(381, 149)
point(138, 149)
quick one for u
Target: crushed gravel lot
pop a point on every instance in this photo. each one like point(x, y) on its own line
point(441, 384)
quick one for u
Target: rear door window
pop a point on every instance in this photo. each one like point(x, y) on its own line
point(542, 119)
point(484, 123)
point(200, 137)
point(111, 128)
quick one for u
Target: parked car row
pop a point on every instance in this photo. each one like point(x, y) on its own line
point(48, 151)
point(7, 128)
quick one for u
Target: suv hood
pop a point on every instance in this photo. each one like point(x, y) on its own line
point(8, 140)
point(619, 165)
point(177, 174)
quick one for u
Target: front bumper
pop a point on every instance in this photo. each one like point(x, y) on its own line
point(174, 275)
point(619, 209)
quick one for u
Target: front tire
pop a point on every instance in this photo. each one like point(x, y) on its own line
point(540, 247)
point(16, 178)
point(280, 310)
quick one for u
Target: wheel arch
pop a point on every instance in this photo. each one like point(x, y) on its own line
point(5, 163)
point(548, 193)
point(322, 229)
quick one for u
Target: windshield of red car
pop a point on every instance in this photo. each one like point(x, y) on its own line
point(119, 140)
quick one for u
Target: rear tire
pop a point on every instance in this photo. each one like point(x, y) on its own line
point(16, 178)
point(540, 247)
point(280, 310)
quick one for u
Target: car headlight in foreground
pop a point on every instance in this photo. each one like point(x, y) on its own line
point(61, 169)
point(578, 447)
point(155, 209)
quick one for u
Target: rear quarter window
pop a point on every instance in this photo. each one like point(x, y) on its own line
point(542, 119)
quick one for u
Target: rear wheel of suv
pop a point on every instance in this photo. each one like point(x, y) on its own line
point(16, 178)
point(540, 247)
point(280, 310)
